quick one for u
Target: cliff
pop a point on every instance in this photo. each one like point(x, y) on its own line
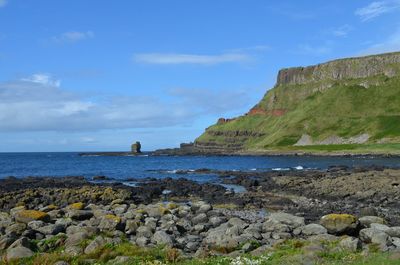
point(345, 104)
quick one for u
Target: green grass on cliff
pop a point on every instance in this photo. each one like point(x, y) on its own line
point(345, 109)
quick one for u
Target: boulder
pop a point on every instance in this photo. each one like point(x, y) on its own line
point(96, 244)
point(285, 219)
point(110, 222)
point(339, 224)
point(350, 244)
point(26, 216)
point(162, 238)
point(79, 215)
point(18, 253)
point(200, 219)
point(371, 235)
point(51, 229)
point(366, 221)
point(313, 229)
point(144, 231)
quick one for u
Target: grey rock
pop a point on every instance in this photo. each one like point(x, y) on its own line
point(200, 218)
point(396, 242)
point(18, 253)
point(96, 244)
point(162, 238)
point(73, 250)
point(119, 260)
point(35, 225)
point(61, 262)
point(131, 226)
point(110, 224)
point(235, 221)
point(142, 241)
point(371, 235)
point(15, 229)
point(75, 239)
point(51, 229)
point(79, 215)
point(217, 220)
point(21, 242)
point(350, 244)
point(393, 231)
point(313, 229)
point(291, 221)
point(5, 242)
point(144, 231)
point(380, 227)
point(366, 221)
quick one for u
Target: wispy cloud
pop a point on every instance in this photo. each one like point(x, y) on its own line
point(318, 50)
point(391, 44)
point(342, 31)
point(39, 103)
point(3, 3)
point(73, 36)
point(43, 79)
point(376, 9)
point(179, 58)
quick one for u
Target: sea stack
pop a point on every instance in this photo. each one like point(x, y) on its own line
point(135, 148)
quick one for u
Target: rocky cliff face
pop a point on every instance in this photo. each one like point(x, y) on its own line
point(362, 67)
point(340, 100)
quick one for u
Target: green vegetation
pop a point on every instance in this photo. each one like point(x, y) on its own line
point(288, 252)
point(346, 108)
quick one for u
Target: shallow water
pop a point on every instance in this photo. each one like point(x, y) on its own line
point(123, 167)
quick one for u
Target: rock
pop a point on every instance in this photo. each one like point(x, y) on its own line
point(5, 242)
point(110, 222)
point(200, 219)
point(26, 216)
point(371, 235)
point(313, 229)
point(288, 220)
point(366, 221)
point(234, 221)
point(396, 242)
point(162, 238)
point(393, 231)
point(350, 244)
point(131, 226)
point(35, 225)
point(142, 241)
point(144, 231)
point(18, 253)
point(217, 220)
point(61, 262)
point(96, 244)
point(249, 246)
point(75, 239)
point(323, 238)
point(21, 242)
point(79, 215)
point(120, 260)
point(52, 229)
point(73, 250)
point(380, 227)
point(339, 223)
point(135, 148)
point(15, 229)
point(77, 206)
point(261, 250)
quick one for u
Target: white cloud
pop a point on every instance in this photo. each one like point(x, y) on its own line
point(391, 44)
point(73, 36)
point(3, 3)
point(176, 58)
point(36, 104)
point(44, 79)
point(375, 9)
point(342, 31)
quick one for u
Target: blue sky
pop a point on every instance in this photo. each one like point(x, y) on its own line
point(97, 75)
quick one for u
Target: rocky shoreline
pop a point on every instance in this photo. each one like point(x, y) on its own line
point(356, 208)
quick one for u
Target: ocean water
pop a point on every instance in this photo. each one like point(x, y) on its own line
point(125, 167)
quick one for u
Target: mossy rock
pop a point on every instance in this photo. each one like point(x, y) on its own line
point(340, 223)
point(26, 216)
point(77, 206)
point(113, 218)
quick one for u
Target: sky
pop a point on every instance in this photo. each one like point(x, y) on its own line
point(86, 75)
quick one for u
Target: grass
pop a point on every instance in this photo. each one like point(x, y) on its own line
point(346, 109)
point(288, 252)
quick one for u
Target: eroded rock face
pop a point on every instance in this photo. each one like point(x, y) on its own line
point(341, 69)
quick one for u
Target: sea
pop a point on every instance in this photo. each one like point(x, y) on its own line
point(123, 168)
